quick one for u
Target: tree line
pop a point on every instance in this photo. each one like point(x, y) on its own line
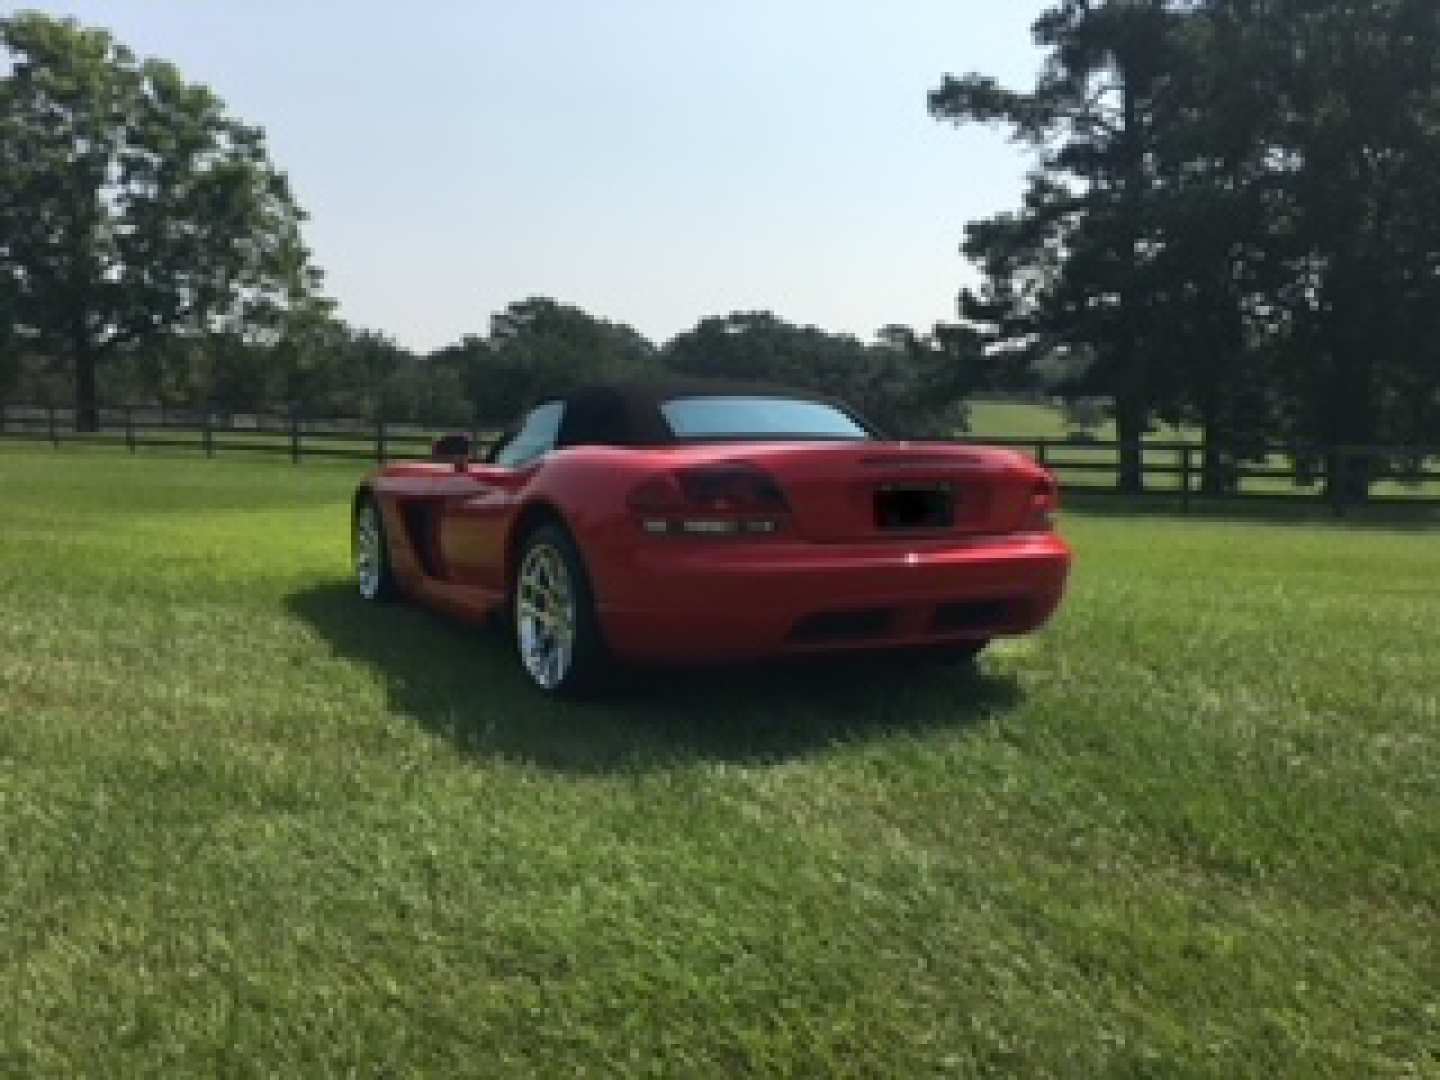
point(1232, 222)
point(150, 251)
point(319, 366)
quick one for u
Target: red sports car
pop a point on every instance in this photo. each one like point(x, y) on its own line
point(656, 523)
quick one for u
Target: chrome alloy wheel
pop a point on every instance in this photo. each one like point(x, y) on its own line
point(545, 616)
point(369, 552)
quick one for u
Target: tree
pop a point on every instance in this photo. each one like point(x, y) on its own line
point(1216, 230)
point(540, 346)
point(1358, 135)
point(9, 352)
point(905, 382)
point(1073, 265)
point(133, 208)
point(308, 355)
point(758, 346)
point(1234, 219)
point(383, 369)
point(914, 385)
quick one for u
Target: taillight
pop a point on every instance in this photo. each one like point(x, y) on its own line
point(1044, 504)
point(710, 500)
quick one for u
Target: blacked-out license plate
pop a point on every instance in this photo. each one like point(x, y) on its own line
point(915, 506)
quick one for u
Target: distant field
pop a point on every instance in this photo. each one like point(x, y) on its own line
point(251, 827)
point(1021, 420)
point(1026, 420)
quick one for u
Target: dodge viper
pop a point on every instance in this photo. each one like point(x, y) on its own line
point(682, 523)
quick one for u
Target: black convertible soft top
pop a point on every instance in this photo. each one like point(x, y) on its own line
point(628, 413)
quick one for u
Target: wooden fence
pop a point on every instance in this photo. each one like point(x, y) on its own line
point(1409, 475)
point(211, 433)
point(1376, 474)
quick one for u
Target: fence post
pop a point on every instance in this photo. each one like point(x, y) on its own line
point(380, 440)
point(209, 435)
point(3, 409)
point(130, 428)
point(1185, 478)
point(295, 435)
point(54, 431)
point(1040, 447)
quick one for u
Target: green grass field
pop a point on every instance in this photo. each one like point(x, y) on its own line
point(1035, 420)
point(1022, 420)
point(250, 827)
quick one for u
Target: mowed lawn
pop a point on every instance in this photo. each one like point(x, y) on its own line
point(249, 826)
point(1035, 420)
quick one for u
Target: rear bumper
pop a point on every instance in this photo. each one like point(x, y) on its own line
point(697, 601)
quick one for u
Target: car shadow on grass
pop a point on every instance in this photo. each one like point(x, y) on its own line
point(463, 683)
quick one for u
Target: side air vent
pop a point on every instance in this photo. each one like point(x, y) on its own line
point(419, 518)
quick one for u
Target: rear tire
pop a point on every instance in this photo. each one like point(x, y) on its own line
point(373, 577)
point(552, 615)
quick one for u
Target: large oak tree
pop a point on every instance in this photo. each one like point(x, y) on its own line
point(133, 208)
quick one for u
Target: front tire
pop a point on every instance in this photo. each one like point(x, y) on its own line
point(557, 634)
point(373, 577)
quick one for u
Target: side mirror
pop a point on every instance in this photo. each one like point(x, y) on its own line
point(452, 448)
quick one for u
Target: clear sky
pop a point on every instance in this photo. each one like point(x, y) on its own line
point(654, 161)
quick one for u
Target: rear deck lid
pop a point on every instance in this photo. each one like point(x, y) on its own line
point(862, 490)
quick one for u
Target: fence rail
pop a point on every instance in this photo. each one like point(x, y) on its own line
point(1339, 476)
point(1188, 471)
point(212, 434)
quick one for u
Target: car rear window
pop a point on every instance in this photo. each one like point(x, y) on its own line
point(770, 417)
